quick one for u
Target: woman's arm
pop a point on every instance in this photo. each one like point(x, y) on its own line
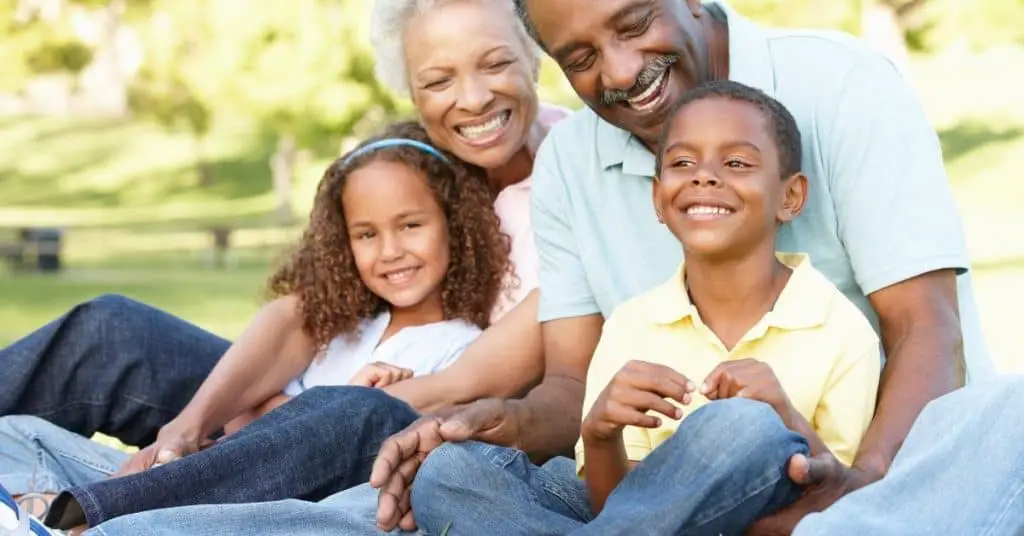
point(272, 350)
point(506, 361)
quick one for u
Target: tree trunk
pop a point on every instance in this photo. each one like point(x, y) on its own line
point(880, 26)
point(204, 175)
point(282, 170)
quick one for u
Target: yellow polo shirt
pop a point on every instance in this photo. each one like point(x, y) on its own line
point(821, 348)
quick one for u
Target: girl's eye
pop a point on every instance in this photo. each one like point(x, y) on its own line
point(365, 235)
point(411, 225)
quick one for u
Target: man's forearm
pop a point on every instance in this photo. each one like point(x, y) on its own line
point(545, 431)
point(921, 366)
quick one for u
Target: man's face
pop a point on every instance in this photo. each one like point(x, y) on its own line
point(629, 60)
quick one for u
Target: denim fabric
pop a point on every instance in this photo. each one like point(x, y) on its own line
point(321, 442)
point(723, 469)
point(352, 512)
point(110, 365)
point(960, 471)
point(39, 456)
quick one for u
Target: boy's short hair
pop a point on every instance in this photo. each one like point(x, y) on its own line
point(783, 127)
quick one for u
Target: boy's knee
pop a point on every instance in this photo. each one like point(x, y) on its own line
point(733, 421)
point(453, 467)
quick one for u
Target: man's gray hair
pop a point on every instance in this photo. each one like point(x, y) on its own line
point(387, 36)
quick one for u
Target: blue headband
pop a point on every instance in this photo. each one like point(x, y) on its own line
point(395, 142)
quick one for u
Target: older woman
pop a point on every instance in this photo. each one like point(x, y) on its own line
point(471, 71)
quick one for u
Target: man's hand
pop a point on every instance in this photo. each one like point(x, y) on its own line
point(495, 421)
point(378, 375)
point(825, 480)
point(637, 388)
point(170, 445)
point(747, 378)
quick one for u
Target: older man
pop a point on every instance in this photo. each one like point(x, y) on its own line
point(881, 224)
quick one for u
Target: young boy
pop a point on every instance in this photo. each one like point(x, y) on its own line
point(738, 321)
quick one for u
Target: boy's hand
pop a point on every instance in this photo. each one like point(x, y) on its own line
point(636, 389)
point(746, 378)
point(378, 375)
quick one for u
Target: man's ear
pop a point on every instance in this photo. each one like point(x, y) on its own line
point(656, 198)
point(794, 196)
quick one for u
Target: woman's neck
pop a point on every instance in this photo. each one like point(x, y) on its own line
point(518, 168)
point(732, 295)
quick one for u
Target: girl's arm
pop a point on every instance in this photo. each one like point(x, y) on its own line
point(272, 350)
point(605, 467)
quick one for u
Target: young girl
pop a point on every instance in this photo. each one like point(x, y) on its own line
point(398, 271)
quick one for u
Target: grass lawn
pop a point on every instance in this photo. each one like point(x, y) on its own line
point(135, 216)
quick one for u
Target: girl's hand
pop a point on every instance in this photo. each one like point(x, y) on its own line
point(379, 375)
point(636, 389)
point(747, 378)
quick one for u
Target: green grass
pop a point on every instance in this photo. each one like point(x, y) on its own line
point(127, 191)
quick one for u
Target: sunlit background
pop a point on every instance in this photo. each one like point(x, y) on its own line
point(144, 130)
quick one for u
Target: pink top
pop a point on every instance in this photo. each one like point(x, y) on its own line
point(513, 208)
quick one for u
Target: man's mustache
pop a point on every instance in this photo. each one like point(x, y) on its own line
point(648, 75)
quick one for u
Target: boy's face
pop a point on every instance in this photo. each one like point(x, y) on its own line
point(719, 188)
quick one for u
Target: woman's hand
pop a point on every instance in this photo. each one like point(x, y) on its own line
point(379, 375)
point(636, 389)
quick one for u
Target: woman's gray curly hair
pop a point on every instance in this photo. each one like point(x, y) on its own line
point(387, 33)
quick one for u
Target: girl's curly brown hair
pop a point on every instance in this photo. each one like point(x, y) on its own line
point(322, 273)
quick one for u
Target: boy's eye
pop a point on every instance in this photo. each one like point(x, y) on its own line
point(736, 164)
point(411, 225)
point(681, 162)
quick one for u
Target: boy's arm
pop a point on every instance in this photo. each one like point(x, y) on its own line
point(606, 466)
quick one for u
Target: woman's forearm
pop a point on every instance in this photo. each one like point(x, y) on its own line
point(272, 350)
point(504, 362)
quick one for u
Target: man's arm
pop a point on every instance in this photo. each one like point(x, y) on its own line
point(504, 362)
point(549, 416)
point(920, 327)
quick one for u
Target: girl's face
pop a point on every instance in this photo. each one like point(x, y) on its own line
point(472, 80)
point(398, 234)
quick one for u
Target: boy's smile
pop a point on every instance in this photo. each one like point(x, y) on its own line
point(720, 189)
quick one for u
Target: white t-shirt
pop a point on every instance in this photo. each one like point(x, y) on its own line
point(423, 349)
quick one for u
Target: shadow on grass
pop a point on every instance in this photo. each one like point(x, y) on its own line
point(973, 134)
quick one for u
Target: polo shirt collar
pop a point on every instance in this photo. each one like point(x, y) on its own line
point(749, 64)
point(804, 303)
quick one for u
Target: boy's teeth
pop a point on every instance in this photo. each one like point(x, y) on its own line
point(647, 93)
point(707, 210)
point(478, 131)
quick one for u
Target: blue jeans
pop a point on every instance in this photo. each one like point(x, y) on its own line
point(960, 471)
point(275, 457)
point(722, 470)
point(110, 365)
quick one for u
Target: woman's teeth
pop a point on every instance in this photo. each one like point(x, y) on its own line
point(645, 100)
point(485, 129)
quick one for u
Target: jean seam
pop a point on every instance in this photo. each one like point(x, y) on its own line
point(773, 478)
point(86, 462)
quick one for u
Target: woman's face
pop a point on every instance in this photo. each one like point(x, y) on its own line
point(472, 80)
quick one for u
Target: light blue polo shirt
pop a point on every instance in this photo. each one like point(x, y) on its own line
point(880, 209)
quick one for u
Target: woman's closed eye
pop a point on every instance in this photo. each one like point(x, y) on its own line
point(437, 84)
